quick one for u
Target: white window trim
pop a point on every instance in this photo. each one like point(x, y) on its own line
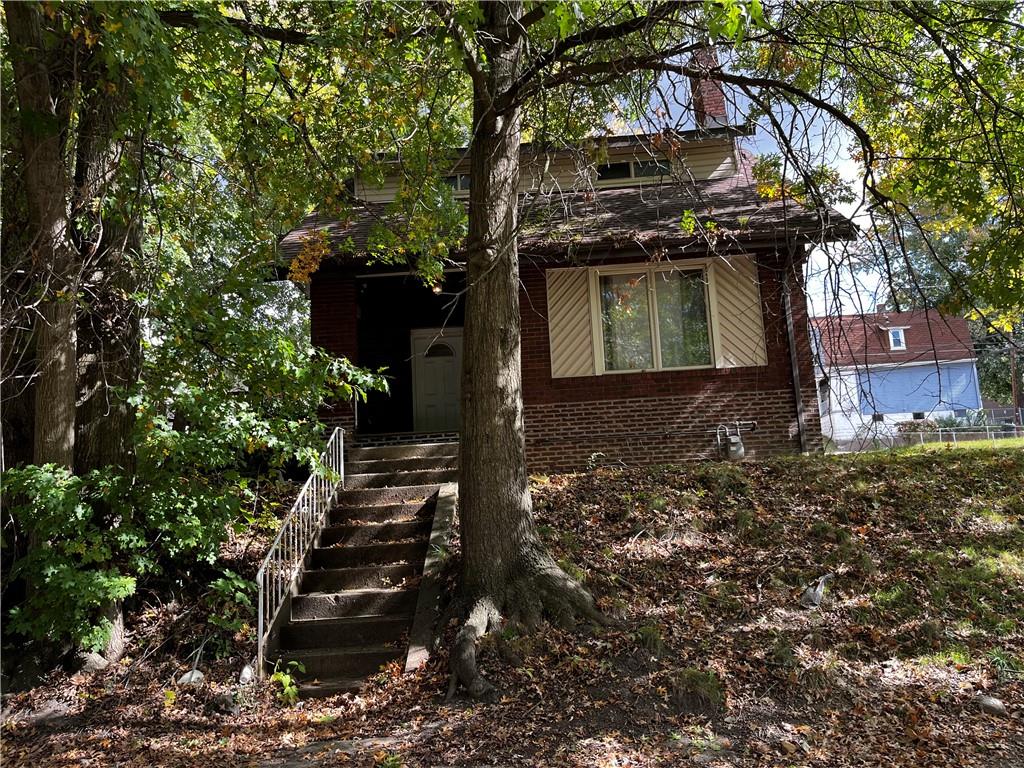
point(903, 337)
point(710, 303)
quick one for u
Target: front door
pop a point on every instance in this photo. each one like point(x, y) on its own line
point(436, 370)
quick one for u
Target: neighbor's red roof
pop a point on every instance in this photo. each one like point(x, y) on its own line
point(851, 340)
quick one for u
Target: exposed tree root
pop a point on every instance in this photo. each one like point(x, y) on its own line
point(543, 592)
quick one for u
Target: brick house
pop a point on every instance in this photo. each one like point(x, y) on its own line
point(661, 296)
point(879, 369)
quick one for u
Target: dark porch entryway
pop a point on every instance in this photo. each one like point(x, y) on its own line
point(416, 335)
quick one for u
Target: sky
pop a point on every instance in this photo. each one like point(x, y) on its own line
point(830, 286)
point(830, 289)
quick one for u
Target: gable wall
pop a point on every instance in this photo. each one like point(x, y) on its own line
point(713, 159)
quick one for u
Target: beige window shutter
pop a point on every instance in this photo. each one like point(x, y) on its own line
point(740, 320)
point(569, 325)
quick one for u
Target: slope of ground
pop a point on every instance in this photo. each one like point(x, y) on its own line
point(712, 660)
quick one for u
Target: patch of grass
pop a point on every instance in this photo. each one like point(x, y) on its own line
point(899, 599)
point(783, 653)
point(1007, 666)
point(650, 638)
point(1001, 443)
point(1007, 563)
point(722, 480)
point(695, 690)
point(951, 654)
point(825, 531)
point(723, 595)
point(746, 522)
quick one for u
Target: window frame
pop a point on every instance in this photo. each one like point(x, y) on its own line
point(903, 339)
point(455, 184)
point(633, 177)
point(650, 271)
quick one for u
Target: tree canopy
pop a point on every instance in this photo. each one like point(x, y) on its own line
point(153, 154)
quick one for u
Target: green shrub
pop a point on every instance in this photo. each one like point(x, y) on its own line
point(77, 557)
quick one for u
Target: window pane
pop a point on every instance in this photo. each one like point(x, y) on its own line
point(682, 319)
point(613, 171)
point(625, 322)
point(650, 168)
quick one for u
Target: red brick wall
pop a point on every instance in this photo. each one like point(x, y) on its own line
point(663, 416)
point(635, 417)
point(333, 321)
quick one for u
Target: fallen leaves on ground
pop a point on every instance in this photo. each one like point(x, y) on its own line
point(711, 661)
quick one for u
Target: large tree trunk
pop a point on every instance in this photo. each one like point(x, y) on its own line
point(507, 572)
point(67, 259)
point(109, 333)
point(54, 257)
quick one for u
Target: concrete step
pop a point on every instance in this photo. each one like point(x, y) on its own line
point(354, 602)
point(369, 554)
point(374, 533)
point(322, 689)
point(401, 478)
point(331, 580)
point(401, 465)
point(401, 451)
point(339, 633)
point(345, 663)
point(393, 495)
point(383, 513)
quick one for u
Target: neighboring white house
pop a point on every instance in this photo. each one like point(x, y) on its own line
point(876, 371)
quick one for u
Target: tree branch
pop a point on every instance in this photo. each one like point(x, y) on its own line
point(659, 13)
point(192, 20)
point(530, 18)
point(469, 57)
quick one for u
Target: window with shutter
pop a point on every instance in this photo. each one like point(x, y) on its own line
point(695, 314)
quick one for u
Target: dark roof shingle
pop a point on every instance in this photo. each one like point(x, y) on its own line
point(648, 216)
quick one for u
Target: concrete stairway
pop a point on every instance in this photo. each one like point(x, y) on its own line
point(358, 593)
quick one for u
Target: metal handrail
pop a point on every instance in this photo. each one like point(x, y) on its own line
point(282, 566)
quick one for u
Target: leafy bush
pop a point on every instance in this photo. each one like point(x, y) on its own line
point(230, 389)
point(229, 601)
point(81, 545)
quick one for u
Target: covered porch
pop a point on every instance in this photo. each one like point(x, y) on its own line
point(414, 334)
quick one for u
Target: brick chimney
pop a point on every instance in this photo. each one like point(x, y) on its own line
point(708, 96)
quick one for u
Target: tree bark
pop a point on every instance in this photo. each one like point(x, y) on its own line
point(109, 332)
point(110, 356)
point(54, 256)
point(506, 571)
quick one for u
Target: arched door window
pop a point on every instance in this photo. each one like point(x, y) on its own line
point(440, 350)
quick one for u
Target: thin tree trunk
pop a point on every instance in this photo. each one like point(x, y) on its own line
point(109, 353)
